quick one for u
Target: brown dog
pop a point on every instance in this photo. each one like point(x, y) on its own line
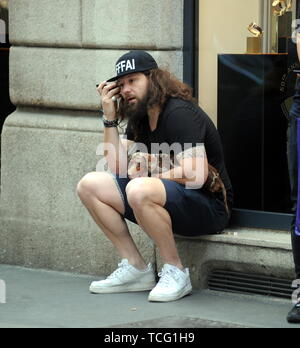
point(145, 164)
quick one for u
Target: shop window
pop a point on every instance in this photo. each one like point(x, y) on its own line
point(246, 83)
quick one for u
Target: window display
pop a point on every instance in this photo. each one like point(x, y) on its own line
point(246, 83)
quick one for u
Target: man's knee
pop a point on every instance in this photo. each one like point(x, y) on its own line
point(89, 183)
point(137, 192)
point(141, 191)
point(100, 186)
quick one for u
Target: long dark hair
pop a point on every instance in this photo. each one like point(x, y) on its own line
point(162, 86)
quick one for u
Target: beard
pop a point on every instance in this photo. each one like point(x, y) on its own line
point(137, 116)
point(136, 112)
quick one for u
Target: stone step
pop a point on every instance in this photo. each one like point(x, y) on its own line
point(255, 251)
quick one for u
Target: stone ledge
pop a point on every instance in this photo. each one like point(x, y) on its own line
point(255, 251)
point(249, 237)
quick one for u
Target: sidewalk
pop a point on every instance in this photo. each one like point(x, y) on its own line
point(38, 298)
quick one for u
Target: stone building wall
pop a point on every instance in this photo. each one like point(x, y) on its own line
point(60, 50)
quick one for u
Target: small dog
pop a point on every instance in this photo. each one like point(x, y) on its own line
point(141, 164)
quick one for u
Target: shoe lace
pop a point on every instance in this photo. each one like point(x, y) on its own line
point(166, 278)
point(122, 266)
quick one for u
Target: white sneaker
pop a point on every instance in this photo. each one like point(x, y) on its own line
point(173, 285)
point(125, 278)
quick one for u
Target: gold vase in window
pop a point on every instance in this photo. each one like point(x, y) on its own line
point(255, 42)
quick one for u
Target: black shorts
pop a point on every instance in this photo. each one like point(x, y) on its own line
point(193, 213)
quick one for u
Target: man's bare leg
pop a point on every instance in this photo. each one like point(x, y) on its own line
point(147, 197)
point(99, 194)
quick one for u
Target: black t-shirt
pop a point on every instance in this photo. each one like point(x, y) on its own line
point(187, 124)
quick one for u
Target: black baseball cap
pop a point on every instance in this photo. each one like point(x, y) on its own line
point(133, 62)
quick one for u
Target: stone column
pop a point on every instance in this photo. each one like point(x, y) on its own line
point(60, 50)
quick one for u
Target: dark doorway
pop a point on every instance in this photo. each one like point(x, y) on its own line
point(6, 107)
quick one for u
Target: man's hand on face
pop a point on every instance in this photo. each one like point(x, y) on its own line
point(109, 93)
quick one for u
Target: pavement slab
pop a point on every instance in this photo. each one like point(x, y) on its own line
point(49, 299)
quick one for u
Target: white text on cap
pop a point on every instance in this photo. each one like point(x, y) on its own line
point(125, 65)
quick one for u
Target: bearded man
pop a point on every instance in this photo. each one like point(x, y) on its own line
point(163, 118)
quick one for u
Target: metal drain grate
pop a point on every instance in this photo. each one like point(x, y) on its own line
point(238, 282)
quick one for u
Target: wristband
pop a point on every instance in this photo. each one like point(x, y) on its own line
point(110, 123)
